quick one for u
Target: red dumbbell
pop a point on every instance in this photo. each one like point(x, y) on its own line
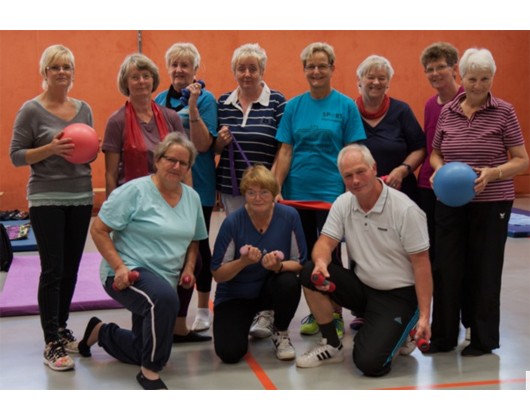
point(133, 277)
point(422, 344)
point(320, 280)
point(186, 280)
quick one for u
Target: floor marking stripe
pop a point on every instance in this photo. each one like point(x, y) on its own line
point(259, 372)
point(255, 366)
point(457, 384)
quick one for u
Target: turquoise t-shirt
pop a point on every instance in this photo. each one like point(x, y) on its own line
point(318, 129)
point(148, 232)
point(203, 171)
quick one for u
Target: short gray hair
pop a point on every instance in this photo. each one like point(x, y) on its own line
point(141, 62)
point(175, 138)
point(183, 50)
point(474, 59)
point(250, 50)
point(375, 61)
point(316, 47)
point(354, 147)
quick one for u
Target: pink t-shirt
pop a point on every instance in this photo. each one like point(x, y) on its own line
point(431, 115)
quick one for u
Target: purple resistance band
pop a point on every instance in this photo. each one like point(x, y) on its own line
point(235, 189)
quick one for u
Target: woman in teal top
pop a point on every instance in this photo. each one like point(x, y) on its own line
point(156, 224)
point(315, 126)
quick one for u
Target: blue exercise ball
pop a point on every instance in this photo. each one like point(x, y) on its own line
point(454, 184)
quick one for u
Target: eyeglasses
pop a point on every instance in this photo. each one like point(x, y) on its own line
point(320, 67)
point(261, 194)
point(437, 69)
point(173, 162)
point(56, 69)
point(137, 77)
point(251, 69)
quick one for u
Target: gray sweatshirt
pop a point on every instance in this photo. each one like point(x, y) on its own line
point(35, 127)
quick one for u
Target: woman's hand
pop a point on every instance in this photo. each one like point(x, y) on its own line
point(187, 280)
point(61, 146)
point(272, 261)
point(485, 176)
point(121, 278)
point(395, 178)
point(250, 255)
point(224, 137)
point(195, 91)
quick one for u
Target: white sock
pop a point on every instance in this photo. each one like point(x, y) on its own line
point(203, 313)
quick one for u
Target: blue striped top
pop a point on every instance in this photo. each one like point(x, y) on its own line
point(254, 131)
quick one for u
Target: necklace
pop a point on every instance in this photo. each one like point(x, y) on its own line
point(260, 223)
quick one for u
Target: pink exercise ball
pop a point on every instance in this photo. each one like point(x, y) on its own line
point(85, 140)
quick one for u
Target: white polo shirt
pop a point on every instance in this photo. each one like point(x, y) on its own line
point(380, 240)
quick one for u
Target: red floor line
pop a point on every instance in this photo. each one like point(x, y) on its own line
point(255, 366)
point(259, 372)
point(457, 384)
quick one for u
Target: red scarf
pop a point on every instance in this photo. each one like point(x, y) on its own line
point(135, 162)
point(383, 109)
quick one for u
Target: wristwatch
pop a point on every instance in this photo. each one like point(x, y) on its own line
point(406, 165)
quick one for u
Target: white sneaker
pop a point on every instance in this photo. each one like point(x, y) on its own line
point(320, 354)
point(262, 325)
point(283, 346)
point(408, 346)
point(468, 334)
point(202, 320)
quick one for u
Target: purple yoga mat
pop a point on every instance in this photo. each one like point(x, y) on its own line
point(19, 296)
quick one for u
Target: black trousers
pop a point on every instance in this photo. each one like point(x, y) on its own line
point(470, 243)
point(60, 232)
point(312, 223)
point(204, 277)
point(389, 316)
point(233, 318)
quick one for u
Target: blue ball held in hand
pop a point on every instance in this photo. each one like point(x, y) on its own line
point(454, 184)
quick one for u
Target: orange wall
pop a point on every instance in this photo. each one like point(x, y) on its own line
point(100, 53)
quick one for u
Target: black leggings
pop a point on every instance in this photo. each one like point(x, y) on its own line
point(204, 277)
point(312, 224)
point(233, 318)
point(60, 232)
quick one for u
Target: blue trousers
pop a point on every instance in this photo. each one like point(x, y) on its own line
point(154, 305)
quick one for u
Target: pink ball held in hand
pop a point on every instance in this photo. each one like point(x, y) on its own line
point(279, 255)
point(85, 140)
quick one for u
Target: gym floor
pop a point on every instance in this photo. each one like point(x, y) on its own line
point(196, 367)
